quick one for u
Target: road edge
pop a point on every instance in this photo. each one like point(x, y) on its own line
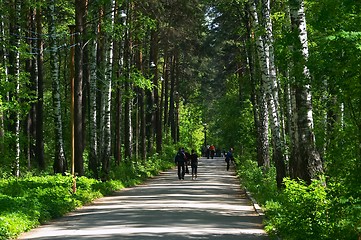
point(256, 206)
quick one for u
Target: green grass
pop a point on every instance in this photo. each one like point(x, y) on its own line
point(30, 201)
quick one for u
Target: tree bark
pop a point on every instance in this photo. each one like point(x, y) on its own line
point(308, 161)
point(263, 49)
point(4, 60)
point(106, 150)
point(272, 96)
point(59, 165)
point(259, 101)
point(39, 146)
point(78, 87)
point(32, 69)
point(128, 87)
point(93, 114)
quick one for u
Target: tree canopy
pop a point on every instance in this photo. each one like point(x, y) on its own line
point(88, 86)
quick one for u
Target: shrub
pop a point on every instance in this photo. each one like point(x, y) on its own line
point(301, 211)
point(261, 183)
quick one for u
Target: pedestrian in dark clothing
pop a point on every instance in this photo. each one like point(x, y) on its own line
point(187, 157)
point(194, 164)
point(180, 162)
point(229, 157)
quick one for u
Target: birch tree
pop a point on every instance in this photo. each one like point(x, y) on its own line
point(4, 73)
point(258, 99)
point(14, 59)
point(59, 160)
point(264, 44)
point(93, 125)
point(128, 86)
point(307, 162)
point(106, 93)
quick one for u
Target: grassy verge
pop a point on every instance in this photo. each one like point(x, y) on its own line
point(29, 201)
point(301, 211)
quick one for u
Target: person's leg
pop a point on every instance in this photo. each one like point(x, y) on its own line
point(227, 165)
point(179, 172)
point(195, 171)
point(183, 171)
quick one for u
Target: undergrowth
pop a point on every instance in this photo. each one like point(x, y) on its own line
point(301, 211)
point(32, 200)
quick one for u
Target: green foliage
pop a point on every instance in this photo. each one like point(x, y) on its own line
point(261, 183)
point(132, 172)
point(29, 201)
point(190, 127)
point(300, 212)
point(313, 212)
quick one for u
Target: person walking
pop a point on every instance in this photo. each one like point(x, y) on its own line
point(194, 164)
point(229, 157)
point(212, 150)
point(180, 160)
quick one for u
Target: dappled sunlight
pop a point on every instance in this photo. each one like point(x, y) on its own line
point(179, 230)
point(211, 207)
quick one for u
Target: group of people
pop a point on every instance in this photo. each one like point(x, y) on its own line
point(183, 159)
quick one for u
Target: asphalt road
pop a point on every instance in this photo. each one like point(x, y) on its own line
point(211, 207)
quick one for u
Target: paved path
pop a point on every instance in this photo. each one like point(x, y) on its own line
point(211, 207)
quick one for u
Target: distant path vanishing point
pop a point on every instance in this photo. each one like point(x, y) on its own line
point(211, 207)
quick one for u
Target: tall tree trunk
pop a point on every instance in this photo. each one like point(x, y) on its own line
point(3, 60)
point(259, 102)
point(32, 69)
point(167, 64)
point(93, 130)
point(172, 101)
point(273, 100)
point(118, 107)
point(78, 87)
point(263, 48)
point(15, 61)
point(128, 87)
point(106, 151)
point(157, 112)
point(39, 146)
point(309, 163)
point(177, 98)
point(59, 160)
point(142, 115)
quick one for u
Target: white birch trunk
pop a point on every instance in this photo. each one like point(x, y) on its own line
point(17, 77)
point(310, 165)
point(342, 113)
point(59, 162)
point(93, 131)
point(269, 83)
point(5, 66)
point(128, 86)
point(107, 97)
point(264, 128)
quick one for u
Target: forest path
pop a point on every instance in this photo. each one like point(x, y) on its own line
point(211, 207)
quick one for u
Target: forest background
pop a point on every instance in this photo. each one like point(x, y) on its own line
point(108, 90)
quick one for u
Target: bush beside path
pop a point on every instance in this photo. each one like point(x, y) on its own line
point(211, 207)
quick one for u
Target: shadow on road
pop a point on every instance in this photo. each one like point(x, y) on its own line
point(211, 207)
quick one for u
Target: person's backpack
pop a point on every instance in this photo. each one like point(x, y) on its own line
point(180, 157)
